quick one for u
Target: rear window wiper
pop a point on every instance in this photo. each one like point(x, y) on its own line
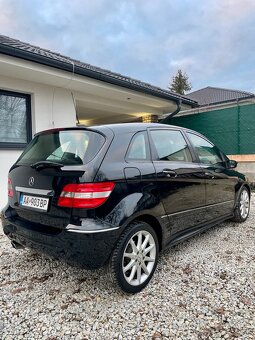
point(46, 164)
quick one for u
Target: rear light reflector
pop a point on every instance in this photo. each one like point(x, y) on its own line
point(89, 195)
point(10, 189)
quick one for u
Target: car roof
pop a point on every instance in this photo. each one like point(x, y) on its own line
point(115, 128)
point(131, 127)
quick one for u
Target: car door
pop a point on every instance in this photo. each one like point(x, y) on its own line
point(220, 185)
point(180, 180)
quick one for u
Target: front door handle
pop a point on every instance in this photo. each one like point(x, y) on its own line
point(169, 173)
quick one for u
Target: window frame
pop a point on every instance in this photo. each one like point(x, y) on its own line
point(154, 152)
point(14, 145)
point(187, 132)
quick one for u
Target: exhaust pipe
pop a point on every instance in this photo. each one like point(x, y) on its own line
point(16, 245)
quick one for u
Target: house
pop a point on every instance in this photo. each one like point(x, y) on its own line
point(227, 118)
point(41, 89)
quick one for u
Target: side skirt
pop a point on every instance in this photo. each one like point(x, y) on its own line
point(194, 231)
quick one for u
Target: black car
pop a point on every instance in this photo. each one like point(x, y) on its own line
point(119, 194)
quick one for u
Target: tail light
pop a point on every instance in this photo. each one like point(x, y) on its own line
point(10, 189)
point(89, 195)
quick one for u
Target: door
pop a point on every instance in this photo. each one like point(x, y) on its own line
point(180, 180)
point(220, 185)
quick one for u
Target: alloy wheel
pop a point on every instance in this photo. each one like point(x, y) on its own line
point(139, 258)
point(244, 204)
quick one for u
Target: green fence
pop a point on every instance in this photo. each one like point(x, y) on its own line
point(232, 129)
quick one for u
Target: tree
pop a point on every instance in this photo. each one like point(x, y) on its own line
point(180, 83)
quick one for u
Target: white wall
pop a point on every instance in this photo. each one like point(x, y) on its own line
point(51, 107)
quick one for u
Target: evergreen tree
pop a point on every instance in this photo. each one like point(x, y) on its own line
point(180, 83)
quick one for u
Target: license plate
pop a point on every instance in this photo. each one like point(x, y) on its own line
point(39, 203)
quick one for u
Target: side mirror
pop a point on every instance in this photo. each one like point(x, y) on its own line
point(231, 164)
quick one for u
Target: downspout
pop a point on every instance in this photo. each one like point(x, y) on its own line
point(167, 119)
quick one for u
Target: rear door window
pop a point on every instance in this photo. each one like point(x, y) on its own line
point(170, 145)
point(68, 147)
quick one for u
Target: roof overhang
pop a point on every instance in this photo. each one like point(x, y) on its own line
point(96, 101)
point(99, 94)
point(68, 65)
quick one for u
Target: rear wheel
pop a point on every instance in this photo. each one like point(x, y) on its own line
point(242, 209)
point(135, 257)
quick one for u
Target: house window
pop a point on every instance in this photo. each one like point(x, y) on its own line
point(15, 120)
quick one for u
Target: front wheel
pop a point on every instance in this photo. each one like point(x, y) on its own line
point(242, 209)
point(135, 257)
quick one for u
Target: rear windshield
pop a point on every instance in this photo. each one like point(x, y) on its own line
point(68, 147)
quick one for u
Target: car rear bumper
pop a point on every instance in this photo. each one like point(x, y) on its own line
point(87, 248)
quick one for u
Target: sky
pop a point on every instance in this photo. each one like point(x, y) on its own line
point(213, 41)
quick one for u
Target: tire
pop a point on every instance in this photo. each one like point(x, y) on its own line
point(135, 241)
point(242, 209)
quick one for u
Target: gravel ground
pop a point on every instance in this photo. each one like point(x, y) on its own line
point(202, 289)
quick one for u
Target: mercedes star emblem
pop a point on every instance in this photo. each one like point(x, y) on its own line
point(31, 181)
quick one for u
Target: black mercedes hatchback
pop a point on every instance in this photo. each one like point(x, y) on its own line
point(119, 194)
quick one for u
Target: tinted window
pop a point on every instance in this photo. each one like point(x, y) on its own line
point(70, 147)
point(206, 151)
point(14, 119)
point(138, 149)
point(171, 146)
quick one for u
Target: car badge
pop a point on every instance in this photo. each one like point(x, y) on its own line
point(31, 181)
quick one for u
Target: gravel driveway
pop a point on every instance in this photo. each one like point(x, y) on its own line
point(202, 289)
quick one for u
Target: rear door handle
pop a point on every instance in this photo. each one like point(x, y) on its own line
point(169, 173)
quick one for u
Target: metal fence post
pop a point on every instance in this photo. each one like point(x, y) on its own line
point(238, 128)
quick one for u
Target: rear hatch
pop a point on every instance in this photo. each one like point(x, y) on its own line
point(53, 159)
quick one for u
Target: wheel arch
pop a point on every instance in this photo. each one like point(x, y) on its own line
point(154, 223)
point(247, 186)
point(239, 189)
